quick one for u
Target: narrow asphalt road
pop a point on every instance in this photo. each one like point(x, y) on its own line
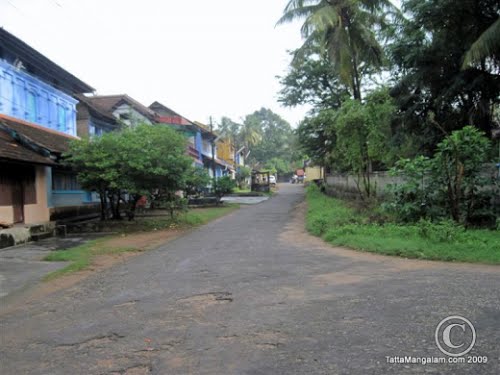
point(252, 293)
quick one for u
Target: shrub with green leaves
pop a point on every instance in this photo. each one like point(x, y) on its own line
point(449, 185)
point(223, 185)
point(130, 163)
point(341, 225)
point(197, 181)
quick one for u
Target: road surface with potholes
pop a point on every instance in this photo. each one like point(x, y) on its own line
point(252, 293)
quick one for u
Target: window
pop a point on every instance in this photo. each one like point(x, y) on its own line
point(52, 112)
point(31, 107)
point(61, 118)
point(95, 130)
point(64, 181)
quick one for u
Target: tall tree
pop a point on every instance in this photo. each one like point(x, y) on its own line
point(434, 94)
point(312, 81)
point(316, 140)
point(230, 130)
point(250, 134)
point(136, 161)
point(347, 30)
point(276, 136)
point(486, 46)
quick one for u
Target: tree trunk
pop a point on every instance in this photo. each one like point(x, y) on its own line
point(134, 198)
point(102, 198)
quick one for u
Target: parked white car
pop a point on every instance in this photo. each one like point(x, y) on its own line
point(272, 180)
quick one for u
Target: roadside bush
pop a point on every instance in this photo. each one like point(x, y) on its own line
point(242, 175)
point(224, 185)
point(323, 212)
point(196, 182)
point(443, 231)
point(413, 199)
point(341, 225)
point(448, 186)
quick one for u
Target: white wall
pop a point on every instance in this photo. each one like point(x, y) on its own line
point(134, 116)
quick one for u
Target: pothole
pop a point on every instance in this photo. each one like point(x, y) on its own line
point(208, 298)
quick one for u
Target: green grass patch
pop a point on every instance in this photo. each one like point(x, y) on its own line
point(340, 224)
point(191, 218)
point(81, 256)
point(244, 190)
point(199, 216)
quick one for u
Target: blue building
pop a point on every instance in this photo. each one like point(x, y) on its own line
point(199, 137)
point(38, 118)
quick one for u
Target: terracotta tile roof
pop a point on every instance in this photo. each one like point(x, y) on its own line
point(163, 110)
point(108, 103)
point(205, 130)
point(12, 151)
point(95, 109)
point(221, 162)
point(24, 141)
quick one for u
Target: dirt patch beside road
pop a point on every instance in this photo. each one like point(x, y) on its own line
point(295, 233)
point(137, 242)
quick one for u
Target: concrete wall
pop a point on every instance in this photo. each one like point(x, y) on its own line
point(349, 182)
point(6, 214)
point(38, 212)
point(134, 116)
point(82, 121)
point(33, 213)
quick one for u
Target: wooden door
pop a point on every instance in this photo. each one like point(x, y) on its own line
point(18, 200)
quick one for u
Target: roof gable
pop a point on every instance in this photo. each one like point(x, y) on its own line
point(42, 67)
point(108, 103)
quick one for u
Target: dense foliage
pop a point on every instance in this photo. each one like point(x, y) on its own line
point(451, 184)
point(343, 225)
point(435, 93)
point(267, 139)
point(224, 185)
point(123, 166)
point(439, 62)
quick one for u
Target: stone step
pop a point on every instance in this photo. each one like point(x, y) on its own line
point(38, 228)
point(41, 236)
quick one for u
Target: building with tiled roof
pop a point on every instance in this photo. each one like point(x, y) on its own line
point(124, 108)
point(37, 122)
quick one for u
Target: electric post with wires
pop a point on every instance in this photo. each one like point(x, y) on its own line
point(213, 155)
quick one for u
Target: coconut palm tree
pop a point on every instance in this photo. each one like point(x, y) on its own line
point(486, 45)
point(347, 30)
point(250, 134)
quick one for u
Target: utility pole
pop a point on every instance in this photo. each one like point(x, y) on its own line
point(213, 153)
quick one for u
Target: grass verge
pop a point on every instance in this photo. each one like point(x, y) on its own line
point(82, 256)
point(339, 224)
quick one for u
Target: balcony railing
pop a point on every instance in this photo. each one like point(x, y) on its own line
point(192, 151)
point(25, 97)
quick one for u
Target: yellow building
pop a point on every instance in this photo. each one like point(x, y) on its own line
point(226, 150)
point(314, 173)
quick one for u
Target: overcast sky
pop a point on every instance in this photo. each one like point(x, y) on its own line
point(201, 58)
